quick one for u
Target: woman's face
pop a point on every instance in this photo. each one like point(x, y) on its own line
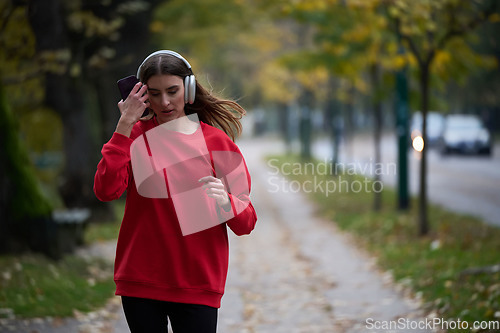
point(166, 97)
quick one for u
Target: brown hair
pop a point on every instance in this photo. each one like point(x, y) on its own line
point(221, 113)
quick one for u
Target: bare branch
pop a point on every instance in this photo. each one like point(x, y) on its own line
point(411, 43)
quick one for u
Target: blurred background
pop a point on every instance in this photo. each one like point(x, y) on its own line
point(340, 80)
point(414, 83)
point(304, 70)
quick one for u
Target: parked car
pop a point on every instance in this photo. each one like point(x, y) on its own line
point(465, 134)
point(435, 124)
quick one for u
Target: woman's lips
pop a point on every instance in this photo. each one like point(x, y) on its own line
point(167, 111)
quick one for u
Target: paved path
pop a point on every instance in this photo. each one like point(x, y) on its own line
point(295, 273)
point(298, 273)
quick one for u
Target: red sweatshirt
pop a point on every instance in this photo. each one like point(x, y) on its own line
point(173, 242)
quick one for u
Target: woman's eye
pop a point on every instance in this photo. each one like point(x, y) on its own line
point(173, 92)
point(155, 94)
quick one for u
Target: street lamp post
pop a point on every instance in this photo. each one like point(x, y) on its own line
point(402, 132)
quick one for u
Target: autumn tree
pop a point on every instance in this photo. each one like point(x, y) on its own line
point(429, 29)
point(21, 197)
point(82, 48)
point(230, 43)
point(353, 42)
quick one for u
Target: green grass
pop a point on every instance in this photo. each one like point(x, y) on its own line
point(106, 230)
point(32, 285)
point(430, 266)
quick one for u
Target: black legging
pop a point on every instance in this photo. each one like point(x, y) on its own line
point(150, 316)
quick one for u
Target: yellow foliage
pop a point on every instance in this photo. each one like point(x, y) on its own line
point(361, 85)
point(336, 50)
point(277, 83)
point(495, 18)
point(314, 5)
point(314, 79)
point(360, 33)
point(441, 59)
point(412, 60)
point(362, 4)
point(156, 26)
point(42, 130)
point(265, 44)
point(391, 47)
point(399, 61)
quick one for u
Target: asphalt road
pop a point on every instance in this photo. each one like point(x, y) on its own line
point(464, 184)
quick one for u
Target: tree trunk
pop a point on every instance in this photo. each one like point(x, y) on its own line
point(347, 121)
point(65, 94)
point(131, 49)
point(284, 125)
point(423, 224)
point(306, 124)
point(332, 119)
point(107, 99)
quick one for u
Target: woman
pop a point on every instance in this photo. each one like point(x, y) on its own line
point(186, 181)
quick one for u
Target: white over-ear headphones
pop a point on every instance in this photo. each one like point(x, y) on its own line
point(189, 81)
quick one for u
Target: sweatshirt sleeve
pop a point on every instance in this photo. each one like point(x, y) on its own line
point(113, 171)
point(236, 178)
point(244, 222)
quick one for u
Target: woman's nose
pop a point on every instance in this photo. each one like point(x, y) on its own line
point(165, 101)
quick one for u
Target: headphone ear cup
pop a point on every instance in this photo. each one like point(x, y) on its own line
point(186, 89)
point(191, 89)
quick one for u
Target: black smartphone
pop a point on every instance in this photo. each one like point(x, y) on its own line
point(126, 85)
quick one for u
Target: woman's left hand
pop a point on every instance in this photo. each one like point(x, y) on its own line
point(215, 189)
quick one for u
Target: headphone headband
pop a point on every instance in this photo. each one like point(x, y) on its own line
point(189, 80)
point(168, 52)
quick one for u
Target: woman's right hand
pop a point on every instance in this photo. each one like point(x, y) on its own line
point(132, 108)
